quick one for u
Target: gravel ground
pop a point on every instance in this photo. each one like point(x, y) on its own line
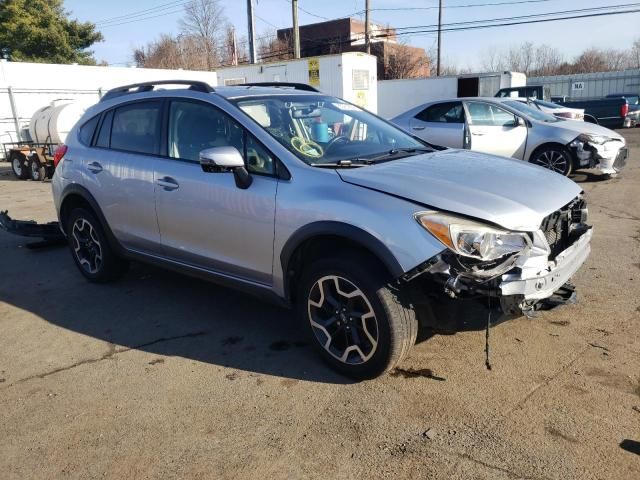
point(162, 376)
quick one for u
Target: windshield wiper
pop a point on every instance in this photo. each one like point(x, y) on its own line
point(355, 162)
point(394, 152)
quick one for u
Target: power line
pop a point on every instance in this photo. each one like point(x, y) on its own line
point(181, 10)
point(142, 14)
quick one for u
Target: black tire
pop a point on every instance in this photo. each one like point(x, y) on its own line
point(19, 165)
point(554, 158)
point(394, 326)
point(36, 170)
point(90, 248)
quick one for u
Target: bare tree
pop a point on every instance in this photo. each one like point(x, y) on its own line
point(634, 54)
point(403, 61)
point(205, 22)
point(548, 60)
point(171, 53)
point(271, 48)
point(492, 60)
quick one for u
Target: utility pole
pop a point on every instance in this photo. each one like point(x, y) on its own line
point(296, 29)
point(439, 37)
point(252, 31)
point(367, 40)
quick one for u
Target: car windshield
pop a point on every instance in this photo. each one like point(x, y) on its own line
point(323, 130)
point(531, 112)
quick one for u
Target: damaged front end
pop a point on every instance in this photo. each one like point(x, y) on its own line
point(524, 271)
point(595, 151)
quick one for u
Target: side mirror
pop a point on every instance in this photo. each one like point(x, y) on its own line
point(226, 159)
point(520, 122)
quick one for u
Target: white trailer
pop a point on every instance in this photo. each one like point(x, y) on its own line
point(351, 76)
point(397, 96)
point(589, 85)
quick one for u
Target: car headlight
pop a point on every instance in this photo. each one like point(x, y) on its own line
point(597, 139)
point(473, 239)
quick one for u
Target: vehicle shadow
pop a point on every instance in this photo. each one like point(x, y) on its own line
point(159, 312)
point(583, 176)
point(168, 314)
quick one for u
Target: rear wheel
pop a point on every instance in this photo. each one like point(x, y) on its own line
point(356, 320)
point(19, 165)
point(90, 249)
point(554, 158)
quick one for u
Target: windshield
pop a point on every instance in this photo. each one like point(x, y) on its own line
point(322, 130)
point(531, 112)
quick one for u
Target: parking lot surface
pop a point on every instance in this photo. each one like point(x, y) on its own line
point(162, 376)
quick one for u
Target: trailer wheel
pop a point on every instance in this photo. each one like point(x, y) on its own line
point(36, 169)
point(19, 165)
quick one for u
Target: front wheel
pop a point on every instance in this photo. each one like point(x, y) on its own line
point(554, 158)
point(36, 169)
point(358, 322)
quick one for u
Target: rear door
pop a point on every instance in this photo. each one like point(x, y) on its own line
point(205, 219)
point(495, 130)
point(440, 124)
point(118, 172)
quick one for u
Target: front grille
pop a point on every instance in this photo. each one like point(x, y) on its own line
point(562, 227)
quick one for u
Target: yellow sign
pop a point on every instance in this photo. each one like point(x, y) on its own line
point(314, 72)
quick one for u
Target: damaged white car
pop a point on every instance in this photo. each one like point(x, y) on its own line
point(511, 128)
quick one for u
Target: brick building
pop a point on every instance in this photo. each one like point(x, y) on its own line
point(395, 60)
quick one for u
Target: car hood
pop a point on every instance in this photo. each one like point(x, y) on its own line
point(579, 127)
point(510, 193)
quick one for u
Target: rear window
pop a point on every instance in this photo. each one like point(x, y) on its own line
point(450, 112)
point(88, 129)
point(135, 128)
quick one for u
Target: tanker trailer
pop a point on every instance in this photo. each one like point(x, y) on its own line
point(48, 129)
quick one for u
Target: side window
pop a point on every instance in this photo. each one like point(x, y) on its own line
point(485, 114)
point(104, 134)
point(87, 130)
point(194, 127)
point(450, 112)
point(135, 127)
point(258, 159)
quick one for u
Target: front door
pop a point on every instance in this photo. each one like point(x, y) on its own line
point(495, 130)
point(205, 219)
point(440, 124)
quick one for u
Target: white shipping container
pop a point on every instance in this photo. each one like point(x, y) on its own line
point(589, 85)
point(352, 76)
point(397, 96)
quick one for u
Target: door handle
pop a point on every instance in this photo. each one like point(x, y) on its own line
point(418, 128)
point(167, 183)
point(477, 134)
point(94, 167)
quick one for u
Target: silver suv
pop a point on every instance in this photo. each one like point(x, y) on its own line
point(308, 199)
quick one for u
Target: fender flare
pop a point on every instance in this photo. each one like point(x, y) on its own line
point(339, 229)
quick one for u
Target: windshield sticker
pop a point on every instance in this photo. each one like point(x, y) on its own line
point(345, 106)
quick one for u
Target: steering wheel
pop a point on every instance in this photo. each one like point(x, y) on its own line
point(334, 141)
point(307, 147)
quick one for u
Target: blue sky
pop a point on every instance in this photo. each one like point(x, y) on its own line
point(464, 48)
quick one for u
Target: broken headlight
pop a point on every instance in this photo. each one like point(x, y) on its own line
point(473, 239)
point(593, 139)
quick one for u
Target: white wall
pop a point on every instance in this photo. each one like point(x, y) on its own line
point(35, 85)
point(397, 96)
point(336, 75)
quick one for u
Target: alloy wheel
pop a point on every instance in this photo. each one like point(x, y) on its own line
point(553, 160)
point(343, 320)
point(86, 246)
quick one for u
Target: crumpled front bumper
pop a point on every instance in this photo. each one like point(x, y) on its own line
point(533, 284)
point(609, 157)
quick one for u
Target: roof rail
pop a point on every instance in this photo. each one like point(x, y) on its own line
point(149, 86)
point(295, 86)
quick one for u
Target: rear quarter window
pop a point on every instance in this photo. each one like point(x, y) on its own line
point(87, 130)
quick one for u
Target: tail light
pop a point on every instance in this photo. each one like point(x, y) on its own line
point(624, 110)
point(58, 154)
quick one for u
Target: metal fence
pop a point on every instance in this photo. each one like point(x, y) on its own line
point(589, 84)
